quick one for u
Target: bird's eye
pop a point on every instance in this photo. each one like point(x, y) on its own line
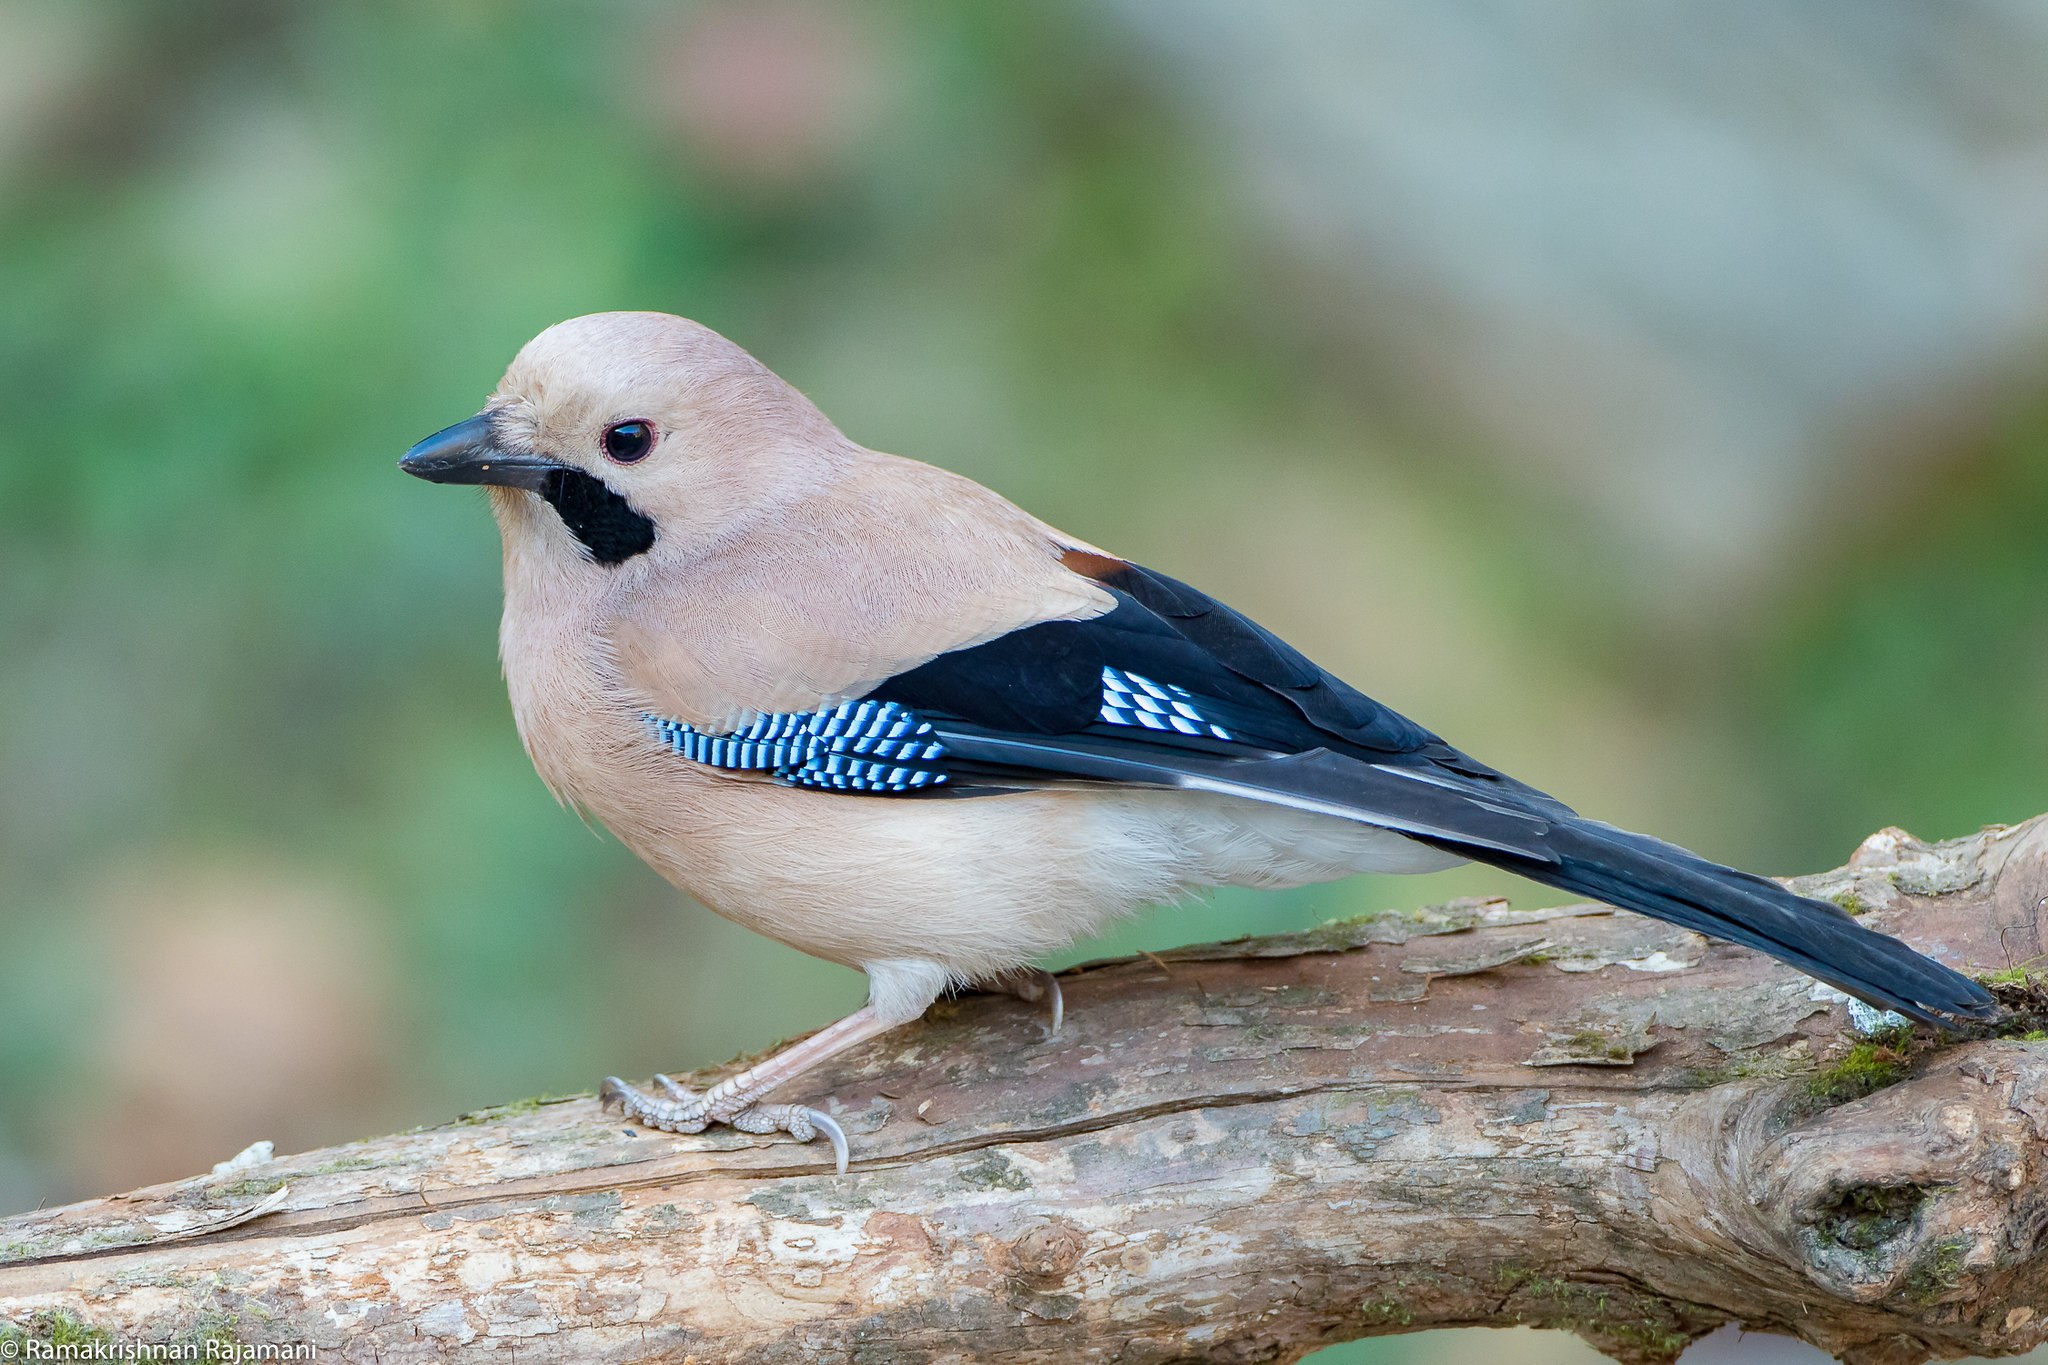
point(628, 442)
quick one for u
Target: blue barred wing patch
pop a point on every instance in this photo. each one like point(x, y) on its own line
point(1128, 699)
point(857, 746)
point(884, 747)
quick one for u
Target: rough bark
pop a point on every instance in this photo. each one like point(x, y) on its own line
point(1474, 1115)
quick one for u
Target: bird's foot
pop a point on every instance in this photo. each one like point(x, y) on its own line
point(686, 1111)
point(1034, 986)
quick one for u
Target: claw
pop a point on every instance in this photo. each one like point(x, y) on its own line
point(1033, 985)
point(834, 1134)
point(613, 1093)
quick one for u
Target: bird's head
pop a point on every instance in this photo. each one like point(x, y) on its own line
point(616, 432)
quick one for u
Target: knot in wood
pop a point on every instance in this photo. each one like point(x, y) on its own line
point(1047, 1253)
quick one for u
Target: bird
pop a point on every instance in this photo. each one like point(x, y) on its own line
point(881, 714)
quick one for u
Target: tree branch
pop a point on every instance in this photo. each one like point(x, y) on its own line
point(1473, 1115)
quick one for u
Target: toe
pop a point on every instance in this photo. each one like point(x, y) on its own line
point(801, 1123)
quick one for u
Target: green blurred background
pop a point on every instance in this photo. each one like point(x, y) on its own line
point(1651, 402)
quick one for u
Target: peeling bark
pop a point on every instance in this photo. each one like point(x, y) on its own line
point(1473, 1115)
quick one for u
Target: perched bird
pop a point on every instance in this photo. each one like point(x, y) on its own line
point(873, 710)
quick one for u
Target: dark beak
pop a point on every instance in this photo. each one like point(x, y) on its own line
point(467, 453)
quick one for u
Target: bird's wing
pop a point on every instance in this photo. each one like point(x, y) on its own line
point(1171, 688)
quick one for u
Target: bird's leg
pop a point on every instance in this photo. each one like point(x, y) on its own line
point(732, 1100)
point(1035, 985)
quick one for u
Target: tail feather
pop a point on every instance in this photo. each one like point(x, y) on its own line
point(1666, 882)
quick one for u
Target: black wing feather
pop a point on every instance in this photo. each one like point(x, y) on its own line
point(1026, 709)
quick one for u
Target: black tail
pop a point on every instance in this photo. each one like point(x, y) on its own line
point(1662, 880)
